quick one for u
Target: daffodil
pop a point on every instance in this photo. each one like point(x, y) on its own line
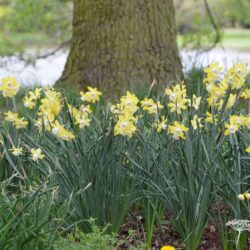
point(128, 103)
point(9, 87)
point(61, 132)
point(195, 102)
point(124, 127)
point(248, 149)
point(16, 151)
point(236, 75)
point(231, 128)
point(213, 72)
point(241, 197)
point(28, 102)
point(195, 122)
point(10, 116)
point(246, 94)
point(50, 105)
point(230, 102)
point(210, 118)
point(161, 124)
point(237, 119)
point(178, 130)
point(83, 121)
point(177, 97)
point(92, 95)
point(19, 122)
point(150, 106)
point(36, 154)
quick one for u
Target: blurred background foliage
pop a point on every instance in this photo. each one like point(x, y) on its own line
point(33, 24)
point(22, 19)
point(195, 28)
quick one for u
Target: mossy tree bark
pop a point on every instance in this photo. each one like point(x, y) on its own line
point(119, 43)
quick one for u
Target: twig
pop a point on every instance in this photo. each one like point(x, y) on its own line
point(215, 26)
point(51, 53)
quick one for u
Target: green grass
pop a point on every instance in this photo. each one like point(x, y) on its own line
point(231, 38)
point(236, 39)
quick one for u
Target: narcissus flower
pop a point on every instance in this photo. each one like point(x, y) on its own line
point(245, 196)
point(150, 106)
point(195, 102)
point(161, 124)
point(177, 97)
point(17, 121)
point(50, 105)
point(16, 151)
point(210, 118)
point(231, 128)
point(10, 116)
point(195, 122)
point(29, 100)
point(9, 87)
point(178, 130)
point(241, 197)
point(248, 149)
point(128, 103)
point(213, 72)
point(83, 121)
point(61, 132)
point(245, 94)
point(36, 154)
point(124, 127)
point(92, 95)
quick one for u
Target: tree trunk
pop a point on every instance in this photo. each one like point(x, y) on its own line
point(118, 44)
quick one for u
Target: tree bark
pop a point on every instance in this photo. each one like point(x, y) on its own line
point(117, 44)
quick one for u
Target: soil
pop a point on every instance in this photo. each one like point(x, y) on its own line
point(133, 234)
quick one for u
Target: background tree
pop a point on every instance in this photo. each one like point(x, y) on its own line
point(121, 43)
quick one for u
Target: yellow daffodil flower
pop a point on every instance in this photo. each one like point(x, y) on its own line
point(9, 87)
point(16, 151)
point(36, 154)
point(178, 130)
point(92, 95)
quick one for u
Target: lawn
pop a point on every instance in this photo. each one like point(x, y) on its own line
point(238, 39)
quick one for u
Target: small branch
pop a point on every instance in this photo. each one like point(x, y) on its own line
point(51, 53)
point(215, 26)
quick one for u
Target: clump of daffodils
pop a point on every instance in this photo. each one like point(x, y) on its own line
point(217, 85)
point(9, 87)
point(223, 90)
